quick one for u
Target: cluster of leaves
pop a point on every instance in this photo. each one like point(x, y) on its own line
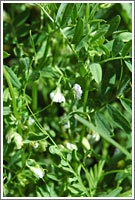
point(51, 45)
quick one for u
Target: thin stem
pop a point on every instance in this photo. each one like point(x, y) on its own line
point(84, 107)
point(115, 171)
point(71, 47)
point(52, 20)
point(116, 58)
point(14, 105)
point(86, 93)
point(34, 96)
point(40, 126)
point(32, 43)
point(12, 93)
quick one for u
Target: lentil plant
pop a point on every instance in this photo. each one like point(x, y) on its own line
point(67, 99)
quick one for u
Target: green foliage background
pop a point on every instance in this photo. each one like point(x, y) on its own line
point(52, 45)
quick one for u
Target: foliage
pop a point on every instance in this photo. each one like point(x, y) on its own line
point(76, 141)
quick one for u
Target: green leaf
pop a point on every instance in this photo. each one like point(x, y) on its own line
point(106, 50)
point(25, 62)
point(5, 54)
point(64, 13)
point(119, 119)
point(73, 190)
point(124, 85)
point(68, 31)
point(34, 137)
point(94, 10)
point(78, 32)
point(54, 150)
point(22, 31)
point(15, 158)
point(126, 194)
point(67, 13)
point(14, 79)
point(103, 124)
point(64, 163)
point(67, 169)
point(128, 64)
point(21, 18)
point(60, 12)
point(96, 71)
point(126, 48)
point(125, 36)
point(100, 33)
point(48, 72)
point(127, 104)
point(114, 23)
point(117, 47)
point(52, 177)
point(109, 45)
point(35, 75)
point(115, 192)
point(18, 51)
point(6, 110)
point(83, 43)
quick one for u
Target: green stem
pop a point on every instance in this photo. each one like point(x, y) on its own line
point(40, 126)
point(87, 11)
point(14, 105)
point(71, 47)
point(116, 58)
point(46, 13)
point(11, 89)
point(86, 94)
point(116, 171)
point(34, 96)
point(84, 107)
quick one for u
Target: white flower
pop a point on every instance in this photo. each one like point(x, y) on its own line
point(71, 146)
point(35, 146)
point(17, 139)
point(31, 121)
point(95, 137)
point(35, 168)
point(57, 96)
point(67, 125)
point(78, 91)
point(38, 172)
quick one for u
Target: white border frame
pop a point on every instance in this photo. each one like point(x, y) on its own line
point(133, 59)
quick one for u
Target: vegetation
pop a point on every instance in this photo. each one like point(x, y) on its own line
point(67, 99)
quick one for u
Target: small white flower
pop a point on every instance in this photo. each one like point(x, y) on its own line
point(67, 125)
point(71, 146)
point(36, 144)
point(78, 91)
point(57, 96)
point(31, 121)
point(38, 172)
point(95, 136)
point(17, 139)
